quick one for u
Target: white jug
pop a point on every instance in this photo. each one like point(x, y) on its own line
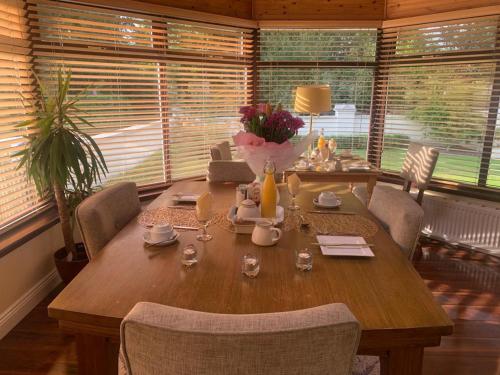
point(264, 234)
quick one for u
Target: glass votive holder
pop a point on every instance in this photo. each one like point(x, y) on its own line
point(304, 259)
point(250, 265)
point(189, 255)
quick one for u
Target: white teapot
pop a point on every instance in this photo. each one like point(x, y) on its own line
point(248, 210)
point(264, 234)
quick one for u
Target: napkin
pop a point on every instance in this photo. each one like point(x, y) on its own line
point(204, 206)
point(344, 251)
point(293, 183)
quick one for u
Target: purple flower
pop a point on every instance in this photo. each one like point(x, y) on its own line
point(248, 113)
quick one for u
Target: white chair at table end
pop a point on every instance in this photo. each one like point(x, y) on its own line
point(223, 168)
point(157, 339)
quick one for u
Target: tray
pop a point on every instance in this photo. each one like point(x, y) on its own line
point(249, 224)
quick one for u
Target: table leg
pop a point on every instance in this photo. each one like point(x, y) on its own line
point(403, 361)
point(96, 355)
point(370, 184)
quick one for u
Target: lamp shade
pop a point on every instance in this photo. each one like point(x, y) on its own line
point(313, 99)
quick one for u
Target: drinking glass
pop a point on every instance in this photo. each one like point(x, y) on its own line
point(293, 189)
point(203, 216)
point(304, 259)
point(250, 265)
point(189, 255)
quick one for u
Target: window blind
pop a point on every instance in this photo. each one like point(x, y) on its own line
point(113, 56)
point(438, 84)
point(208, 78)
point(160, 90)
point(344, 59)
point(17, 196)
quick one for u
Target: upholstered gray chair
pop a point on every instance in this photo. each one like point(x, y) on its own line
point(222, 167)
point(398, 212)
point(101, 216)
point(157, 339)
point(418, 167)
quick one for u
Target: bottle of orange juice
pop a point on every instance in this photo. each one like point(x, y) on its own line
point(268, 198)
point(321, 140)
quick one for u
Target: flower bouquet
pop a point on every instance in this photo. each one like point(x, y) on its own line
point(266, 137)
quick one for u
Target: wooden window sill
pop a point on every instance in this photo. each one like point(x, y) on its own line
point(450, 188)
point(27, 229)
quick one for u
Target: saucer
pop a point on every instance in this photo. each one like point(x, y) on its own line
point(147, 239)
point(336, 204)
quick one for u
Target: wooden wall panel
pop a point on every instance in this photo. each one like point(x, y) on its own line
point(411, 8)
point(232, 8)
point(318, 9)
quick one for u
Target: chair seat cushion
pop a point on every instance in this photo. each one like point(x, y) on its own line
point(366, 365)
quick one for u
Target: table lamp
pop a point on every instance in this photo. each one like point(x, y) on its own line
point(313, 99)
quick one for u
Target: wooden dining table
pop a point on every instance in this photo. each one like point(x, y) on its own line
point(397, 313)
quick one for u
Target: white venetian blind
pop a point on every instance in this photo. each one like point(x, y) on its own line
point(114, 55)
point(16, 195)
point(342, 58)
point(439, 84)
point(161, 90)
point(208, 78)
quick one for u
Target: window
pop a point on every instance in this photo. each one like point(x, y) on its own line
point(345, 59)
point(16, 195)
point(207, 79)
point(161, 90)
point(439, 84)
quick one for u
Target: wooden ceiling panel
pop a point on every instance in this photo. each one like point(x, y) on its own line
point(319, 9)
point(411, 8)
point(232, 8)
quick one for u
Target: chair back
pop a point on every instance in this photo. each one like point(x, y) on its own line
point(157, 339)
point(221, 151)
point(398, 212)
point(418, 167)
point(229, 171)
point(101, 216)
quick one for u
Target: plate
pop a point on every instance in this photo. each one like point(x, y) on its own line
point(185, 198)
point(147, 239)
point(299, 168)
point(345, 251)
point(317, 204)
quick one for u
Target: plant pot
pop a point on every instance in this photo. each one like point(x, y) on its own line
point(67, 267)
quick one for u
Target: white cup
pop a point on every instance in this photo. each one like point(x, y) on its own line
point(161, 232)
point(327, 198)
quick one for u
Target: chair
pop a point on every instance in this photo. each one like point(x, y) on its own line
point(399, 214)
point(418, 167)
point(222, 167)
point(157, 339)
point(101, 216)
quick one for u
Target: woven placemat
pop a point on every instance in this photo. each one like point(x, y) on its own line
point(355, 225)
point(164, 215)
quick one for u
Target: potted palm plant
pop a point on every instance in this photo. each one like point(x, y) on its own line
point(62, 161)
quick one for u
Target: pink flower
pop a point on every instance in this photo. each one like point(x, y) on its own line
point(247, 139)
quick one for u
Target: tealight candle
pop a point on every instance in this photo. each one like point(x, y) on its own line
point(250, 265)
point(189, 255)
point(303, 260)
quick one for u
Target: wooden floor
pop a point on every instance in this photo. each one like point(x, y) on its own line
point(466, 284)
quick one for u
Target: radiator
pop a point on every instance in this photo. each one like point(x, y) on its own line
point(466, 223)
